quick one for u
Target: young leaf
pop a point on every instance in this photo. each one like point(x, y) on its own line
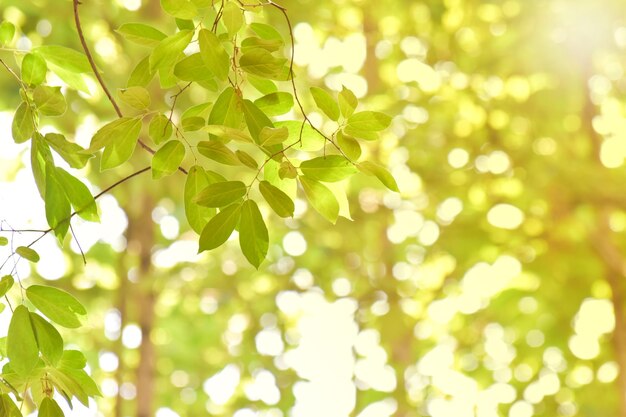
point(119, 149)
point(219, 228)
point(366, 121)
point(232, 17)
point(73, 154)
point(197, 216)
point(5, 284)
point(229, 133)
point(64, 58)
point(218, 152)
point(246, 159)
point(181, 9)
point(253, 236)
point(7, 406)
point(49, 100)
point(141, 34)
point(262, 63)
point(270, 45)
point(347, 102)
point(266, 31)
point(22, 127)
point(349, 146)
point(27, 253)
point(328, 168)
point(287, 170)
point(48, 338)
point(213, 54)
point(49, 408)
point(160, 129)
point(321, 198)
point(275, 104)
point(277, 199)
point(311, 140)
point(79, 196)
point(255, 119)
point(167, 159)
point(193, 68)
point(34, 69)
point(4, 241)
point(58, 305)
point(7, 32)
point(136, 97)
point(165, 55)
point(227, 110)
point(370, 168)
point(58, 207)
point(141, 74)
point(269, 136)
point(22, 349)
point(40, 158)
point(117, 130)
point(220, 194)
point(325, 102)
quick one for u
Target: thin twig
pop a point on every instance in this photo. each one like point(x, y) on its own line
point(78, 244)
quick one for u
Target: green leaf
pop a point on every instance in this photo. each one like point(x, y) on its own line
point(311, 140)
point(73, 154)
point(219, 228)
point(79, 196)
point(325, 102)
point(167, 159)
point(193, 68)
point(22, 127)
point(7, 406)
point(58, 305)
point(263, 85)
point(49, 408)
point(218, 152)
point(328, 168)
point(349, 146)
point(136, 97)
point(185, 24)
point(266, 31)
point(114, 131)
point(366, 122)
point(5, 284)
point(73, 359)
point(228, 133)
point(7, 32)
point(227, 110)
point(197, 216)
point(270, 45)
point(120, 142)
point(64, 58)
point(40, 158)
point(232, 17)
point(34, 69)
point(246, 159)
point(58, 208)
point(275, 104)
point(277, 199)
point(141, 34)
point(262, 63)
point(27, 253)
point(214, 54)
point(194, 118)
point(49, 100)
point(255, 119)
point(370, 168)
point(321, 198)
point(165, 55)
point(273, 135)
point(160, 129)
point(253, 236)
point(182, 9)
point(22, 349)
point(347, 102)
point(221, 194)
point(4, 241)
point(141, 74)
point(48, 338)
point(287, 170)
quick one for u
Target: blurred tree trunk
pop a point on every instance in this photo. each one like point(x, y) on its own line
point(142, 243)
point(118, 347)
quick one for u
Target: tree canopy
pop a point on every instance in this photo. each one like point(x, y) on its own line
point(258, 208)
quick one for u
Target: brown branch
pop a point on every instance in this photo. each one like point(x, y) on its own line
point(92, 63)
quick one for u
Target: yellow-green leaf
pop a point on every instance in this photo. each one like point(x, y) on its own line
point(27, 253)
point(330, 168)
point(34, 69)
point(370, 168)
point(196, 181)
point(5, 284)
point(218, 152)
point(321, 198)
point(58, 305)
point(220, 194)
point(22, 349)
point(253, 236)
point(277, 199)
point(136, 97)
point(49, 100)
point(219, 228)
point(167, 159)
point(79, 196)
point(49, 339)
point(214, 54)
point(165, 55)
point(141, 34)
point(325, 102)
point(347, 102)
point(22, 127)
point(160, 129)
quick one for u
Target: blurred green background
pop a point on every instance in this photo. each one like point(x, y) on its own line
point(492, 285)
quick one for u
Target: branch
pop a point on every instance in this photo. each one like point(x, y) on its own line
point(92, 63)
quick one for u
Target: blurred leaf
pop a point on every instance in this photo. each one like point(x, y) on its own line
point(49, 408)
point(7, 33)
point(181, 9)
point(5, 284)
